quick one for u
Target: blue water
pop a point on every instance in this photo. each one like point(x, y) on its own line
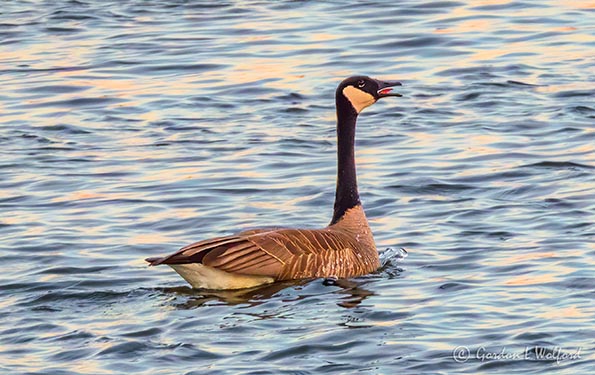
point(131, 128)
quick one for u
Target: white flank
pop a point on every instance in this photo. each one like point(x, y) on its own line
point(202, 277)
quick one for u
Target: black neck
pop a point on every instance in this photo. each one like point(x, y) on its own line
point(346, 196)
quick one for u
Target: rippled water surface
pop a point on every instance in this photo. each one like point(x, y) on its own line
point(131, 128)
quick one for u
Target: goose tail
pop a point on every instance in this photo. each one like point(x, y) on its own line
point(155, 261)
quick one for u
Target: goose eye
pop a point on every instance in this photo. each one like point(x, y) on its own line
point(361, 83)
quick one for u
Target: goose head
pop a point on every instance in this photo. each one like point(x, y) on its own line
point(362, 91)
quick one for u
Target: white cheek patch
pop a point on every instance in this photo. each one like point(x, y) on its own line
point(359, 99)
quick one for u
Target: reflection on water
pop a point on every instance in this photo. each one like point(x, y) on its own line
point(352, 294)
point(129, 129)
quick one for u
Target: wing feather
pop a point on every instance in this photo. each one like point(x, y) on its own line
point(280, 253)
point(222, 254)
point(234, 259)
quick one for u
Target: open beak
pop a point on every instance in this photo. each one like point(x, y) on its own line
point(385, 88)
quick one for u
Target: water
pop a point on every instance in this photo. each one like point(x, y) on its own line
point(129, 129)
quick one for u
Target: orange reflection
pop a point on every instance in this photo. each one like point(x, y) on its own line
point(532, 280)
point(578, 4)
point(467, 26)
point(150, 239)
point(78, 195)
point(323, 37)
point(562, 313)
point(491, 2)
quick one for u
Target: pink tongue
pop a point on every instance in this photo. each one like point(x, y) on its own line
point(385, 91)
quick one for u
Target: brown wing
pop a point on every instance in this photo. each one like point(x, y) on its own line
point(281, 253)
point(235, 253)
point(318, 253)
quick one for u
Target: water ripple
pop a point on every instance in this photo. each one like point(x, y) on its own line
point(130, 129)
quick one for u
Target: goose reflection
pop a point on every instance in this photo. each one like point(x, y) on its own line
point(351, 293)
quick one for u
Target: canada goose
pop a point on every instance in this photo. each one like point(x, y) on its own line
point(345, 248)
